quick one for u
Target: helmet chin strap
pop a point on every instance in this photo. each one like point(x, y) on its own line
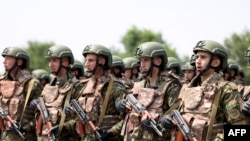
point(150, 71)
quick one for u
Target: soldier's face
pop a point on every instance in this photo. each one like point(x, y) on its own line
point(202, 60)
point(9, 62)
point(126, 74)
point(189, 74)
point(145, 63)
point(54, 64)
point(90, 62)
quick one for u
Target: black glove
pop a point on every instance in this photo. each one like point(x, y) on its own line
point(33, 104)
point(166, 122)
point(146, 125)
point(68, 110)
point(105, 135)
point(121, 105)
point(246, 108)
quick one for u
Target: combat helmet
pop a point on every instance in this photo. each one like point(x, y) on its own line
point(41, 74)
point(233, 65)
point(130, 63)
point(60, 51)
point(247, 56)
point(187, 66)
point(79, 66)
point(99, 50)
point(214, 48)
point(17, 52)
point(152, 49)
point(174, 63)
point(118, 62)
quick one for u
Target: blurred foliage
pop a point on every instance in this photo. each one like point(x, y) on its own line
point(37, 51)
point(237, 45)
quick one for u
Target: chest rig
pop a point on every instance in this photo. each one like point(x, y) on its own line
point(92, 100)
point(54, 97)
point(13, 93)
point(198, 101)
point(152, 100)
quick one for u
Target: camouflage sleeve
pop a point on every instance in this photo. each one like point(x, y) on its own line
point(116, 129)
point(171, 95)
point(231, 105)
point(76, 90)
point(118, 91)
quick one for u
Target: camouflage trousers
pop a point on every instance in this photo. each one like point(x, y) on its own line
point(11, 135)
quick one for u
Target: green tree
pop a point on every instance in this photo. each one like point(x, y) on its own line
point(134, 36)
point(237, 45)
point(37, 51)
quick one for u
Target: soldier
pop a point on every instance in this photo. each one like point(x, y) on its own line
point(188, 71)
point(98, 96)
point(17, 89)
point(78, 69)
point(246, 91)
point(232, 70)
point(131, 72)
point(117, 67)
point(209, 101)
point(42, 75)
point(173, 69)
point(156, 93)
point(63, 87)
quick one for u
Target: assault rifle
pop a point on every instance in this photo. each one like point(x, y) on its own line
point(139, 109)
point(4, 115)
point(186, 131)
point(44, 119)
point(84, 119)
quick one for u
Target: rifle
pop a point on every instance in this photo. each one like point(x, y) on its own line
point(139, 109)
point(44, 119)
point(4, 115)
point(186, 131)
point(84, 119)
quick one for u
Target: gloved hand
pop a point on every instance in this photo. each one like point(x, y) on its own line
point(246, 108)
point(121, 105)
point(166, 122)
point(68, 111)
point(105, 135)
point(33, 104)
point(146, 125)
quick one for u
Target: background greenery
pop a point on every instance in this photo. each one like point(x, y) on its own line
point(236, 44)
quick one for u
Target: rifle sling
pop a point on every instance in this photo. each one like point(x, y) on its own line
point(105, 103)
point(30, 87)
point(63, 115)
point(213, 114)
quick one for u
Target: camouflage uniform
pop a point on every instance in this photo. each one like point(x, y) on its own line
point(13, 92)
point(198, 99)
point(93, 97)
point(55, 96)
point(156, 98)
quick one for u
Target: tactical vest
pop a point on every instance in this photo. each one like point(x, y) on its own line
point(245, 93)
point(197, 104)
point(152, 100)
point(13, 94)
point(92, 99)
